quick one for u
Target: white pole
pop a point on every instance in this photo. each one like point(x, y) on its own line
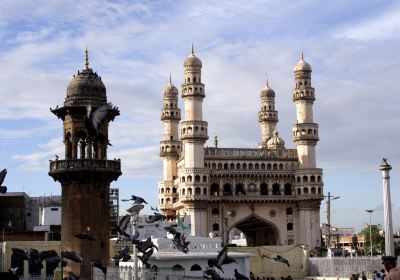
point(389, 248)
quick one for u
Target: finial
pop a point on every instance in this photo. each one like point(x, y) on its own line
point(266, 74)
point(216, 141)
point(302, 55)
point(86, 67)
point(170, 79)
point(192, 48)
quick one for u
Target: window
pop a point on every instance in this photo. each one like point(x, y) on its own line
point(215, 227)
point(289, 211)
point(239, 189)
point(264, 189)
point(275, 189)
point(195, 267)
point(289, 226)
point(288, 189)
point(215, 211)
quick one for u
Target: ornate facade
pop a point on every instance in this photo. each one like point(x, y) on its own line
point(271, 193)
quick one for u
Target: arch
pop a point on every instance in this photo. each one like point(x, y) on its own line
point(168, 200)
point(313, 190)
point(215, 211)
point(275, 166)
point(309, 131)
point(204, 178)
point(305, 190)
point(280, 166)
point(204, 191)
point(195, 267)
point(189, 178)
point(289, 211)
point(319, 179)
point(183, 179)
point(183, 191)
point(263, 189)
point(215, 227)
point(162, 190)
point(214, 189)
point(232, 166)
point(319, 190)
point(269, 166)
point(288, 189)
point(227, 189)
point(262, 166)
point(237, 165)
point(244, 166)
point(257, 230)
point(197, 178)
point(276, 189)
point(213, 166)
point(312, 178)
point(189, 191)
point(256, 166)
point(226, 166)
point(305, 179)
point(219, 165)
point(289, 226)
point(298, 179)
point(197, 190)
point(177, 267)
point(239, 189)
point(167, 190)
point(250, 166)
point(173, 190)
point(298, 191)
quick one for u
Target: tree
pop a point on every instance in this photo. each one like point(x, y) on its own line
point(378, 241)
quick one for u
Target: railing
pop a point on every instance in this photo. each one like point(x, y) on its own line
point(85, 164)
point(36, 277)
point(236, 153)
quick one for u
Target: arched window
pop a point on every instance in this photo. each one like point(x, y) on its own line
point(226, 166)
point(215, 189)
point(227, 189)
point(319, 190)
point(214, 166)
point(289, 226)
point(215, 211)
point(237, 165)
point(232, 166)
point(275, 189)
point(183, 179)
point(312, 178)
point(183, 191)
point(162, 190)
point(204, 178)
point(262, 166)
point(189, 178)
point(298, 179)
point(269, 166)
point(264, 189)
point(215, 227)
point(305, 190)
point(177, 267)
point(319, 178)
point(219, 165)
point(256, 166)
point(162, 200)
point(239, 189)
point(289, 211)
point(244, 166)
point(313, 190)
point(299, 191)
point(197, 178)
point(173, 190)
point(189, 191)
point(280, 166)
point(250, 166)
point(195, 267)
point(167, 190)
point(197, 190)
point(305, 179)
point(288, 189)
point(275, 166)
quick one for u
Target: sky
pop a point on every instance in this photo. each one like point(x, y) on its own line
point(352, 46)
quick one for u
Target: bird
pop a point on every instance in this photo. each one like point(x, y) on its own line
point(156, 217)
point(211, 274)
point(145, 257)
point(219, 261)
point(143, 246)
point(239, 276)
point(123, 255)
point(136, 199)
point(88, 235)
point(122, 225)
point(135, 208)
point(3, 173)
point(99, 265)
point(154, 209)
point(20, 254)
point(179, 240)
point(71, 255)
point(93, 120)
point(45, 255)
point(278, 259)
point(35, 263)
point(229, 260)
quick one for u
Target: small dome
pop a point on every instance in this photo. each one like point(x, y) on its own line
point(267, 91)
point(302, 65)
point(86, 88)
point(275, 142)
point(170, 89)
point(192, 60)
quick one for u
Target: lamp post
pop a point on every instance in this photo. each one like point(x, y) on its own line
point(370, 230)
point(328, 206)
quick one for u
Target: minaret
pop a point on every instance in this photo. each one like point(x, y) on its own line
point(194, 135)
point(267, 116)
point(170, 148)
point(305, 136)
point(387, 207)
point(85, 173)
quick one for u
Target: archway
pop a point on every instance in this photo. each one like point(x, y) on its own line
point(257, 231)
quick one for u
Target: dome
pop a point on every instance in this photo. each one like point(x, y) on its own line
point(86, 88)
point(267, 91)
point(192, 60)
point(302, 65)
point(170, 89)
point(275, 142)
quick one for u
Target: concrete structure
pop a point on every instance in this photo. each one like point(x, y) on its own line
point(85, 173)
point(387, 208)
point(270, 193)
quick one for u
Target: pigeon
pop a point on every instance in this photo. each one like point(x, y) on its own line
point(145, 257)
point(180, 242)
point(156, 217)
point(136, 199)
point(93, 119)
point(282, 260)
point(219, 261)
point(143, 246)
point(211, 274)
point(99, 265)
point(135, 209)
point(229, 260)
point(46, 255)
point(72, 276)
point(171, 229)
point(239, 276)
point(20, 254)
point(154, 209)
point(123, 255)
point(3, 173)
point(71, 255)
point(35, 263)
point(88, 235)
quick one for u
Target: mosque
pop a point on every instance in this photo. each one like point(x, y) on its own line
point(270, 193)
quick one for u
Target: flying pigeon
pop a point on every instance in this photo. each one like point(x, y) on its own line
point(145, 257)
point(3, 189)
point(136, 199)
point(156, 217)
point(219, 261)
point(282, 260)
point(72, 276)
point(154, 209)
point(239, 276)
point(211, 274)
point(88, 235)
point(93, 120)
point(71, 255)
point(143, 246)
point(123, 255)
point(99, 265)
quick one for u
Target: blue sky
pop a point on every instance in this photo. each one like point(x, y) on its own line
point(352, 46)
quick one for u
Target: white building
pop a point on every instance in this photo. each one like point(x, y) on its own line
point(270, 193)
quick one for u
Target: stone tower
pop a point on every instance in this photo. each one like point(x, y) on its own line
point(305, 136)
point(85, 173)
point(193, 136)
point(170, 147)
point(267, 116)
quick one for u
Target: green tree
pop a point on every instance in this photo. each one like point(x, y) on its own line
point(378, 241)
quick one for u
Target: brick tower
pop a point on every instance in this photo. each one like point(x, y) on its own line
point(85, 173)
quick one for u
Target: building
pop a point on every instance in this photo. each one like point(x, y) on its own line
point(85, 173)
point(271, 193)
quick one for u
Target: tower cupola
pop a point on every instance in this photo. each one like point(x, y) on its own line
point(302, 65)
point(86, 88)
point(192, 60)
point(276, 142)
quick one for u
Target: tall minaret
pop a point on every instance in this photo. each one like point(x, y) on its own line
point(267, 116)
point(194, 135)
point(305, 136)
point(387, 207)
point(170, 147)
